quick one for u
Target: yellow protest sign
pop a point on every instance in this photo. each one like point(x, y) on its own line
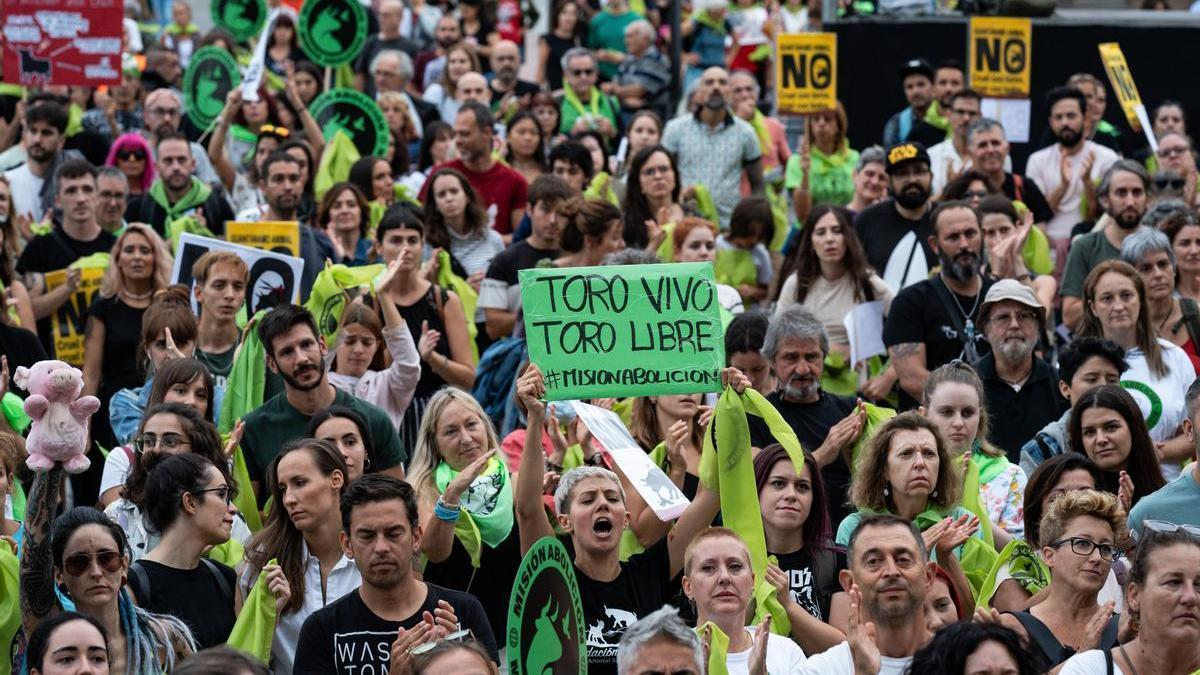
point(267, 235)
point(806, 72)
point(69, 321)
point(999, 52)
point(1121, 78)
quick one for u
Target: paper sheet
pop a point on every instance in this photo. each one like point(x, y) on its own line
point(1012, 113)
point(864, 328)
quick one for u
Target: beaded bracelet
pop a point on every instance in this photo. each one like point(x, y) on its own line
point(443, 512)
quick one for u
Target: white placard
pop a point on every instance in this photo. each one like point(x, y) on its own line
point(655, 488)
point(274, 277)
point(1012, 113)
point(864, 328)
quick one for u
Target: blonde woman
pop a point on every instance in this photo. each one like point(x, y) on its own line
point(460, 60)
point(140, 266)
point(457, 476)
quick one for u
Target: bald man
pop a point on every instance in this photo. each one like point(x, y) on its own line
point(474, 87)
point(509, 93)
point(163, 109)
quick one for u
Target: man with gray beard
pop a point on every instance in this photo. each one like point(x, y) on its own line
point(932, 322)
point(796, 346)
point(1021, 389)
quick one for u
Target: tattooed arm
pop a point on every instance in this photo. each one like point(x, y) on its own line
point(38, 600)
point(909, 360)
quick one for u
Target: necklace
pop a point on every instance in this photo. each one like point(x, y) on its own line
point(970, 353)
point(1167, 318)
point(129, 295)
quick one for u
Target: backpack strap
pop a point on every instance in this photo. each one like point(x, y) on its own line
point(139, 582)
point(1191, 319)
point(1040, 634)
point(1108, 639)
point(1108, 662)
point(222, 582)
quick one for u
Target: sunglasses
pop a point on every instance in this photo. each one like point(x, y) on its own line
point(132, 153)
point(77, 565)
point(580, 72)
point(1169, 183)
point(1163, 527)
point(272, 130)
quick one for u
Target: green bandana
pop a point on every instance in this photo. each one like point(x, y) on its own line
point(196, 195)
point(487, 507)
point(572, 99)
point(759, 123)
point(705, 19)
point(177, 30)
point(718, 648)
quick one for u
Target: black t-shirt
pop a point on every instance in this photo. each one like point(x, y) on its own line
point(812, 586)
point(122, 334)
point(22, 349)
point(489, 583)
point(55, 251)
point(919, 315)
point(195, 597)
point(609, 607)
point(811, 422)
point(347, 638)
point(219, 364)
point(517, 257)
point(1024, 412)
point(1028, 194)
point(880, 228)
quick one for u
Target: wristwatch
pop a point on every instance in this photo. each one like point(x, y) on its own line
point(596, 459)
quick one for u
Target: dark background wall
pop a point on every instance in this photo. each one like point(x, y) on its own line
point(1164, 55)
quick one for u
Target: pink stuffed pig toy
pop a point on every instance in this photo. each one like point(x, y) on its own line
point(60, 416)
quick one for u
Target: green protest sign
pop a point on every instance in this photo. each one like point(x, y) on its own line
point(210, 76)
point(356, 114)
point(242, 18)
point(545, 617)
point(332, 32)
point(634, 330)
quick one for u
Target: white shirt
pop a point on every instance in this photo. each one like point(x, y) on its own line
point(944, 157)
point(26, 190)
point(1045, 169)
point(837, 660)
point(1088, 663)
point(116, 470)
point(1169, 390)
point(343, 579)
point(783, 656)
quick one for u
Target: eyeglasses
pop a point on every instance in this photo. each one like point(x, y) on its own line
point(1172, 152)
point(168, 441)
point(272, 130)
point(1163, 527)
point(1005, 318)
point(113, 196)
point(164, 112)
point(1163, 183)
point(77, 565)
point(223, 492)
point(582, 72)
point(1084, 547)
point(132, 153)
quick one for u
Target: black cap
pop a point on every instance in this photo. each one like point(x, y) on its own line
point(916, 67)
point(904, 153)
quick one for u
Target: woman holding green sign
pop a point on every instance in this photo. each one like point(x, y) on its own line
point(590, 505)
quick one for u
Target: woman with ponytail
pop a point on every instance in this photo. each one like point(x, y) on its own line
point(593, 229)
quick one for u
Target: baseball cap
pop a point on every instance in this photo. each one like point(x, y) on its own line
point(1012, 290)
point(916, 67)
point(903, 153)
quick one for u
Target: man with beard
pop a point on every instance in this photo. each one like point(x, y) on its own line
point(296, 352)
point(887, 580)
point(796, 346)
point(713, 147)
point(32, 183)
point(79, 235)
point(509, 92)
point(932, 322)
point(989, 156)
point(175, 193)
point(1122, 193)
point(894, 232)
point(502, 190)
point(374, 629)
point(583, 106)
point(948, 80)
point(1066, 172)
point(1021, 389)
point(428, 66)
point(909, 124)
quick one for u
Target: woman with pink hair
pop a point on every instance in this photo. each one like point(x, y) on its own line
point(131, 154)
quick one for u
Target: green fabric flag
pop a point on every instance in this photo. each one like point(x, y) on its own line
point(666, 250)
point(718, 648)
point(18, 502)
point(245, 497)
point(339, 155)
point(976, 557)
point(255, 626)
point(972, 500)
point(490, 495)
point(876, 416)
point(734, 267)
point(244, 386)
point(187, 224)
point(230, 553)
point(732, 474)
point(1036, 253)
point(14, 412)
point(601, 188)
point(1024, 565)
point(328, 298)
point(96, 260)
point(705, 204)
point(196, 195)
point(446, 278)
point(10, 605)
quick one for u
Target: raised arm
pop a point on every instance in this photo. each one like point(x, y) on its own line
point(405, 370)
point(531, 517)
point(216, 143)
point(38, 600)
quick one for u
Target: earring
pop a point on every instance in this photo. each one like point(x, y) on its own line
point(886, 491)
point(933, 494)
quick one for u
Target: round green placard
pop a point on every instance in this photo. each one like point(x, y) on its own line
point(546, 631)
point(356, 114)
point(243, 18)
point(332, 32)
point(210, 76)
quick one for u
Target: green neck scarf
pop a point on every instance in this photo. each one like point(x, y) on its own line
point(989, 467)
point(837, 158)
point(595, 97)
point(759, 123)
point(196, 195)
point(705, 19)
point(487, 507)
point(182, 31)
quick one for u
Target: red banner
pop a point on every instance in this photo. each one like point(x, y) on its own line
point(62, 42)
